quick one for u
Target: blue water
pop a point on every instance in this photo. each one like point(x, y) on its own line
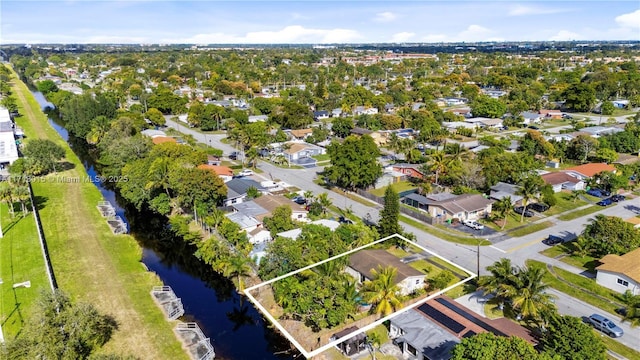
point(235, 328)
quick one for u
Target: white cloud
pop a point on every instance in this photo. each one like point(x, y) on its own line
point(472, 33)
point(386, 16)
point(290, 34)
point(565, 35)
point(630, 20)
point(524, 10)
point(402, 37)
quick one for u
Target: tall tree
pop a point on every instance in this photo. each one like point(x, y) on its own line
point(505, 208)
point(354, 163)
point(529, 190)
point(570, 338)
point(382, 291)
point(42, 156)
point(389, 216)
point(489, 346)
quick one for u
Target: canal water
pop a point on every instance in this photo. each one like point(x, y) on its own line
point(236, 329)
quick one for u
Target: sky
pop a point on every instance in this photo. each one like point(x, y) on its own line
point(314, 22)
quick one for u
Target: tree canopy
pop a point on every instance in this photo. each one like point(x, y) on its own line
point(354, 163)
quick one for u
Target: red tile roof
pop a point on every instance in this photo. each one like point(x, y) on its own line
point(163, 139)
point(592, 169)
point(556, 178)
point(219, 170)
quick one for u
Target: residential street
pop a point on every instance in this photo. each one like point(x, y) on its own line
point(517, 249)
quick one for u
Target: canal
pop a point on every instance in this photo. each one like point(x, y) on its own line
point(236, 329)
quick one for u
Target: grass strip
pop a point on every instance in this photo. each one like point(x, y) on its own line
point(443, 235)
point(92, 264)
point(528, 229)
point(579, 213)
point(618, 348)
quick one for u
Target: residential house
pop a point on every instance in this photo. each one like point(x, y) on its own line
point(620, 272)
point(635, 221)
point(224, 172)
point(163, 139)
point(245, 222)
point(466, 112)
point(301, 153)
point(389, 176)
point(431, 330)
point(256, 118)
point(587, 171)
point(293, 234)
point(411, 170)
point(597, 131)
point(363, 262)
point(496, 94)
point(627, 159)
point(449, 206)
point(560, 137)
point(551, 114)
point(337, 112)
point(389, 108)
point(417, 106)
point(451, 101)
point(379, 137)
point(8, 146)
point(153, 133)
point(561, 180)
point(300, 134)
point(454, 125)
point(485, 122)
point(620, 104)
point(320, 115)
point(502, 190)
point(362, 110)
point(237, 190)
point(271, 202)
point(531, 117)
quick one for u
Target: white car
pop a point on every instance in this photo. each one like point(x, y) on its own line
point(473, 224)
point(245, 172)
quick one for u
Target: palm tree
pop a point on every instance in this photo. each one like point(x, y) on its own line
point(6, 195)
point(23, 195)
point(505, 207)
point(529, 189)
point(325, 202)
point(632, 314)
point(252, 156)
point(238, 267)
point(214, 218)
point(576, 194)
point(500, 282)
point(382, 290)
point(531, 299)
point(159, 175)
point(308, 195)
point(581, 246)
point(438, 164)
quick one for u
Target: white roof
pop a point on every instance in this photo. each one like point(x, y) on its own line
point(458, 124)
point(293, 234)
point(8, 147)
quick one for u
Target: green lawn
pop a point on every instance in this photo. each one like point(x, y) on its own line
point(492, 311)
point(20, 260)
point(90, 263)
point(528, 229)
point(564, 204)
point(397, 252)
point(513, 222)
point(610, 304)
point(398, 187)
point(585, 262)
point(579, 213)
point(617, 347)
point(322, 157)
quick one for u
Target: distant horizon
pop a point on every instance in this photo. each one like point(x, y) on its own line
point(315, 22)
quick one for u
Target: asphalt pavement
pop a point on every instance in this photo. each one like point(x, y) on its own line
point(517, 249)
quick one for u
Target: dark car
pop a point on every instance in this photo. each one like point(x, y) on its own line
point(234, 155)
point(299, 200)
point(553, 240)
point(617, 198)
point(520, 209)
point(567, 116)
point(605, 192)
point(594, 192)
point(539, 207)
point(344, 220)
point(533, 127)
point(605, 202)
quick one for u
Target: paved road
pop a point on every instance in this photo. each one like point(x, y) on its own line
point(517, 249)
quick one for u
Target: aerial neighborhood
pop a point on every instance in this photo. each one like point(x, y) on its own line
point(443, 202)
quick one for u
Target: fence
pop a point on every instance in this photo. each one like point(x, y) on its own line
point(43, 242)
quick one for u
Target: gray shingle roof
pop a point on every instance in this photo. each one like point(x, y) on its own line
point(424, 335)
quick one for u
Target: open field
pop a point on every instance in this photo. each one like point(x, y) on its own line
point(90, 263)
point(20, 260)
point(398, 187)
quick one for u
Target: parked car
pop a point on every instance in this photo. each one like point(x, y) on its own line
point(605, 202)
point(539, 207)
point(344, 220)
point(533, 127)
point(594, 192)
point(474, 225)
point(299, 200)
point(520, 209)
point(567, 116)
point(605, 325)
point(234, 155)
point(617, 198)
point(246, 172)
point(605, 193)
point(553, 240)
